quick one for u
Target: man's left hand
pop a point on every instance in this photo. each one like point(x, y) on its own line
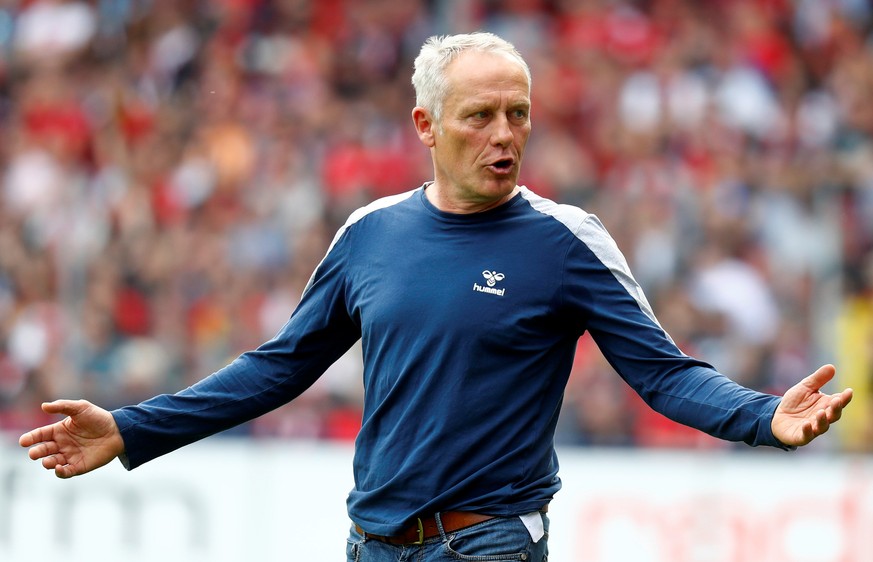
point(805, 412)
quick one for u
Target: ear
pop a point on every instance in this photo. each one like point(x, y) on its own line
point(424, 126)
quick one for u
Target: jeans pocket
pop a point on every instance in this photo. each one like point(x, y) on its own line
point(353, 546)
point(353, 550)
point(497, 539)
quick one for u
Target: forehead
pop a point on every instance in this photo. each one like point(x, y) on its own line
point(475, 74)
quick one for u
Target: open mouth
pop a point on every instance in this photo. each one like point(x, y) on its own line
point(502, 165)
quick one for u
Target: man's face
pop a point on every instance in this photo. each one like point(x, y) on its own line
point(478, 144)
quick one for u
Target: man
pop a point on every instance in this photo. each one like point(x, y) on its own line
point(469, 294)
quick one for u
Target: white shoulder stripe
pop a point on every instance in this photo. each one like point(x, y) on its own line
point(588, 229)
point(376, 205)
point(357, 215)
point(569, 216)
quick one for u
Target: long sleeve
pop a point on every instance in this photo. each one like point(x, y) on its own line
point(624, 327)
point(319, 331)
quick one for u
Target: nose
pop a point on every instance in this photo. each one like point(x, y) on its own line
point(502, 134)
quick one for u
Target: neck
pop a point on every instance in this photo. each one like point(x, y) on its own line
point(448, 204)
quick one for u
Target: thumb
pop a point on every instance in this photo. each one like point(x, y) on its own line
point(820, 377)
point(65, 407)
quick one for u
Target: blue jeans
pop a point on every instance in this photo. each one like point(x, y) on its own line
point(501, 538)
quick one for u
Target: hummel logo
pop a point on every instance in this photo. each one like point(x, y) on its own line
point(491, 279)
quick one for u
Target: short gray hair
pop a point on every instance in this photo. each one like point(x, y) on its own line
point(428, 79)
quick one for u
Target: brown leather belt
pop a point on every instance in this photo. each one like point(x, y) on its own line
point(426, 527)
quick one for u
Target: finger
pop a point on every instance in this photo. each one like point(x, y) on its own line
point(838, 402)
point(833, 413)
point(27, 439)
point(846, 397)
point(53, 461)
point(65, 471)
point(65, 407)
point(38, 435)
point(808, 432)
point(821, 424)
point(820, 377)
point(42, 450)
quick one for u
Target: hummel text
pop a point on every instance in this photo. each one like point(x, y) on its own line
point(491, 290)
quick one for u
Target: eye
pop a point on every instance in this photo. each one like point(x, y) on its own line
point(519, 114)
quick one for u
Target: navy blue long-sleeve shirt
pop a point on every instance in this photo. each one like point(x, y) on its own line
point(469, 325)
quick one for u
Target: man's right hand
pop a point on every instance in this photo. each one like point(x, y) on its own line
point(86, 439)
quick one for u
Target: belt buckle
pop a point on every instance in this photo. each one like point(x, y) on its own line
point(420, 540)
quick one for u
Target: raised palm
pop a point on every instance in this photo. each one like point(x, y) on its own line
point(805, 412)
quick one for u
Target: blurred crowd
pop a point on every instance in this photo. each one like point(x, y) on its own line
point(171, 171)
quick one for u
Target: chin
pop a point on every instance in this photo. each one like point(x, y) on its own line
point(502, 186)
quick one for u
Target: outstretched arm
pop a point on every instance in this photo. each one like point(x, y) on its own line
point(805, 412)
point(86, 439)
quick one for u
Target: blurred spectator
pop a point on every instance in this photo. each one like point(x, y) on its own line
point(172, 172)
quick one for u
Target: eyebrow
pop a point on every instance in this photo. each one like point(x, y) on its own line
point(486, 102)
